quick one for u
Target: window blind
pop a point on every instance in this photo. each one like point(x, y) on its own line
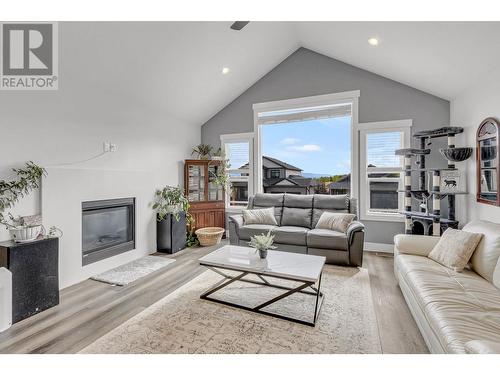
point(304, 114)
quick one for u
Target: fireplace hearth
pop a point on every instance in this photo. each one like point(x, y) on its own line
point(108, 228)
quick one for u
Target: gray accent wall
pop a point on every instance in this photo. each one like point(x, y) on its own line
point(307, 73)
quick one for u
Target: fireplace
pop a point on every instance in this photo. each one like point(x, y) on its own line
point(108, 228)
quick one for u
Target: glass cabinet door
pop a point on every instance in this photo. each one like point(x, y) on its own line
point(215, 190)
point(196, 183)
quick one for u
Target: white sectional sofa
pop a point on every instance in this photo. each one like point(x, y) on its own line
point(456, 312)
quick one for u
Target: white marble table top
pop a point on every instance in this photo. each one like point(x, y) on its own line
point(282, 264)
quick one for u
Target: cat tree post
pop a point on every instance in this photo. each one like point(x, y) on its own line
point(408, 229)
point(436, 203)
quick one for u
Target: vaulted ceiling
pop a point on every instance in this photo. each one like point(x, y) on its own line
point(181, 62)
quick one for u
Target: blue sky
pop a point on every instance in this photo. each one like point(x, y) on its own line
point(316, 146)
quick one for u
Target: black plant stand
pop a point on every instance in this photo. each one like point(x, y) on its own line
point(35, 275)
point(171, 234)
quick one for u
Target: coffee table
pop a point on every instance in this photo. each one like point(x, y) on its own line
point(303, 268)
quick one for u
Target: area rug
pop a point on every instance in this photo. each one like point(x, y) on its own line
point(183, 323)
point(130, 272)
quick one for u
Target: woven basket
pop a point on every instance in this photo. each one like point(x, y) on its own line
point(209, 236)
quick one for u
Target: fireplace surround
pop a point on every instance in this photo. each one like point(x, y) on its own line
point(108, 228)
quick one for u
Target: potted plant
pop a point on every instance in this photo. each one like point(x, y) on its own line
point(28, 179)
point(202, 151)
point(171, 208)
point(221, 175)
point(262, 243)
point(218, 154)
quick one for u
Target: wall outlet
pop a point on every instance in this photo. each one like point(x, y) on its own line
point(109, 147)
point(106, 146)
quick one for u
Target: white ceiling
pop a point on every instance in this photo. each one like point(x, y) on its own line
point(442, 58)
point(176, 66)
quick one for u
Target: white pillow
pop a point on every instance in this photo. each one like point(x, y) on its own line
point(259, 216)
point(455, 248)
point(335, 221)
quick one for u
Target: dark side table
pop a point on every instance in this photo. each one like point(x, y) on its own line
point(35, 275)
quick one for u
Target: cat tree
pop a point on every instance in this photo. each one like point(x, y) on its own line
point(425, 221)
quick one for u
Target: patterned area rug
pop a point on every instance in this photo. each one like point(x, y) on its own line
point(183, 323)
point(134, 270)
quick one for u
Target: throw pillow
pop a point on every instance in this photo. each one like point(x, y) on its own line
point(455, 248)
point(335, 221)
point(259, 216)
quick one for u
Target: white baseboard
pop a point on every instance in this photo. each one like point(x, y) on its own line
point(379, 247)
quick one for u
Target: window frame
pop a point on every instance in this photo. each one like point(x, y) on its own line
point(351, 97)
point(403, 126)
point(240, 138)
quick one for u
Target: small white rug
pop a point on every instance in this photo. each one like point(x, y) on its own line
point(134, 270)
point(183, 323)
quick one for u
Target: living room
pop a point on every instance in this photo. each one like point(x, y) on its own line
point(288, 185)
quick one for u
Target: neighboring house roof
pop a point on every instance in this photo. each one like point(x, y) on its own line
point(290, 181)
point(270, 163)
point(267, 162)
point(343, 183)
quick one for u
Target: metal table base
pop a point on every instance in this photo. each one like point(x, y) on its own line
point(228, 279)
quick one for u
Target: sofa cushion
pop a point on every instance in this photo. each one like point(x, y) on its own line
point(455, 248)
point(459, 306)
point(264, 200)
point(328, 203)
point(298, 201)
point(297, 217)
point(482, 347)
point(290, 235)
point(326, 239)
point(487, 254)
point(247, 231)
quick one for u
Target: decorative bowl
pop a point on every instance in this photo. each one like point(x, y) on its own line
point(456, 154)
point(209, 236)
point(25, 233)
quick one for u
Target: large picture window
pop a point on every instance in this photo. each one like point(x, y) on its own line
point(305, 145)
point(381, 169)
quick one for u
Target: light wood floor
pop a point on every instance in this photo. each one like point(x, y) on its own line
point(90, 309)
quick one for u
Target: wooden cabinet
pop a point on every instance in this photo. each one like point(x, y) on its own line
point(207, 199)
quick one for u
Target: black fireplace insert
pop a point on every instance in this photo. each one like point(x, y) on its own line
point(108, 228)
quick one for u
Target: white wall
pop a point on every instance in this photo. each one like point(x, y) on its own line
point(102, 96)
point(468, 110)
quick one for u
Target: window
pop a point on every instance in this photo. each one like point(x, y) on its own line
point(381, 169)
point(275, 173)
point(238, 149)
point(308, 143)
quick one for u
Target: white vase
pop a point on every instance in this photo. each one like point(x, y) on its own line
point(25, 233)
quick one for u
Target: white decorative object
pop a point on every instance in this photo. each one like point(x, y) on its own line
point(5, 299)
point(25, 233)
point(452, 181)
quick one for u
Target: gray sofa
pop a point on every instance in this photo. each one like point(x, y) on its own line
point(297, 216)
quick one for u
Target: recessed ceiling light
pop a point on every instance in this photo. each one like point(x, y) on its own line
point(373, 41)
point(225, 70)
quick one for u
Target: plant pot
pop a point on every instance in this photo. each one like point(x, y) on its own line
point(171, 234)
point(25, 233)
point(263, 253)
